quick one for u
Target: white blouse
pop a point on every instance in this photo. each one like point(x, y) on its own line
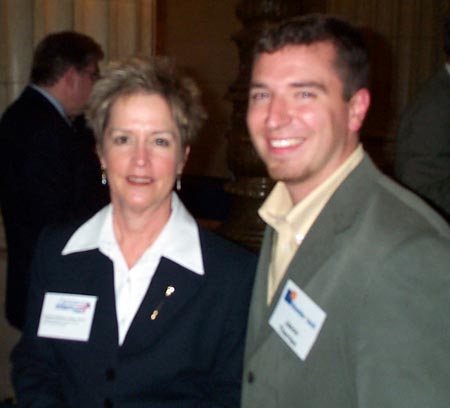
point(178, 241)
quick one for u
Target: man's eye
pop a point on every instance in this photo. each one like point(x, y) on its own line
point(258, 96)
point(306, 95)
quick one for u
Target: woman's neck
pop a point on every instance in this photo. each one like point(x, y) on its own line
point(135, 232)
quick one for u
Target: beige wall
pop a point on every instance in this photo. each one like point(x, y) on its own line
point(122, 27)
point(201, 43)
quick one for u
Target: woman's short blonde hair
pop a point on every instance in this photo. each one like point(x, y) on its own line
point(153, 76)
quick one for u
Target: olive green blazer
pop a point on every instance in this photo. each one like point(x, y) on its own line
point(377, 261)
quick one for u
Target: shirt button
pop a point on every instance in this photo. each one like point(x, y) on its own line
point(110, 374)
point(250, 377)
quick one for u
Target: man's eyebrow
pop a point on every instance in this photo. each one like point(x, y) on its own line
point(303, 84)
point(310, 84)
point(257, 85)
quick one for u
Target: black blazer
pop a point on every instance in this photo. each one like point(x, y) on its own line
point(48, 173)
point(423, 143)
point(190, 356)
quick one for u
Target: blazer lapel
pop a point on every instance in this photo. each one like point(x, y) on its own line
point(337, 216)
point(315, 250)
point(258, 328)
point(163, 303)
point(91, 273)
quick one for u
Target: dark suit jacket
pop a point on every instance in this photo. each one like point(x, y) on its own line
point(190, 356)
point(48, 173)
point(377, 261)
point(423, 143)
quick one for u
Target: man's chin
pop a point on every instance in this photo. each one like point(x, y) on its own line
point(279, 173)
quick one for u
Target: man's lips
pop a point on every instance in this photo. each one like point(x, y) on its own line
point(287, 142)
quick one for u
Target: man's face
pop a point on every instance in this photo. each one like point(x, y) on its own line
point(299, 123)
point(81, 88)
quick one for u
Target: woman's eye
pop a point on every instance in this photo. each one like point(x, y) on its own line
point(121, 139)
point(160, 141)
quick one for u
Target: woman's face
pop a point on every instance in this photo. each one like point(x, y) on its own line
point(142, 153)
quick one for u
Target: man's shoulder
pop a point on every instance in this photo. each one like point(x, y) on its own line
point(27, 98)
point(394, 213)
point(370, 196)
point(30, 110)
point(434, 91)
point(411, 209)
point(32, 121)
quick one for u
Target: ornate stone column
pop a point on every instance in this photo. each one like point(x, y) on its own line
point(250, 184)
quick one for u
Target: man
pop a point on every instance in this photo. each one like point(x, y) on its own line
point(423, 141)
point(48, 171)
point(351, 297)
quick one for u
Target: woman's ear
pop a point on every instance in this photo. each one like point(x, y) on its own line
point(99, 151)
point(183, 159)
point(187, 150)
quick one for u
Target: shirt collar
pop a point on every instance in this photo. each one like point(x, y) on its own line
point(279, 209)
point(57, 105)
point(178, 241)
point(447, 67)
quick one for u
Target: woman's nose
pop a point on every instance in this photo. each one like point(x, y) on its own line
point(141, 154)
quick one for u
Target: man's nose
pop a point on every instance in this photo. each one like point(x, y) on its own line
point(278, 113)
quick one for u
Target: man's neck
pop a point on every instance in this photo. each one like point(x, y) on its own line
point(54, 96)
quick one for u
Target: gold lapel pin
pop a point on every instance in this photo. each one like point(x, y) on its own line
point(169, 291)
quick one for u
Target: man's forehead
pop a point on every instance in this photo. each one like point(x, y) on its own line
point(295, 52)
point(294, 62)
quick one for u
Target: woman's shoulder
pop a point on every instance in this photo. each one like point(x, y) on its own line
point(220, 250)
point(212, 238)
point(57, 235)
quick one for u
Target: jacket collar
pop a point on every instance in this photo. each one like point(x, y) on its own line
point(319, 244)
point(179, 240)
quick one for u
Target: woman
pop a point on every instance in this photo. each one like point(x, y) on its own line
point(138, 306)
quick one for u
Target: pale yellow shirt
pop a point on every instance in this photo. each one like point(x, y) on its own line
point(292, 223)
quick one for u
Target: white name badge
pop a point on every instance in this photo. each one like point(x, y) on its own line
point(67, 316)
point(297, 319)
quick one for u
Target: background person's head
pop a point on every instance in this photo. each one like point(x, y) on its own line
point(66, 65)
point(352, 60)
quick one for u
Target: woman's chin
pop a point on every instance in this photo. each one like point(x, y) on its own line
point(139, 205)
